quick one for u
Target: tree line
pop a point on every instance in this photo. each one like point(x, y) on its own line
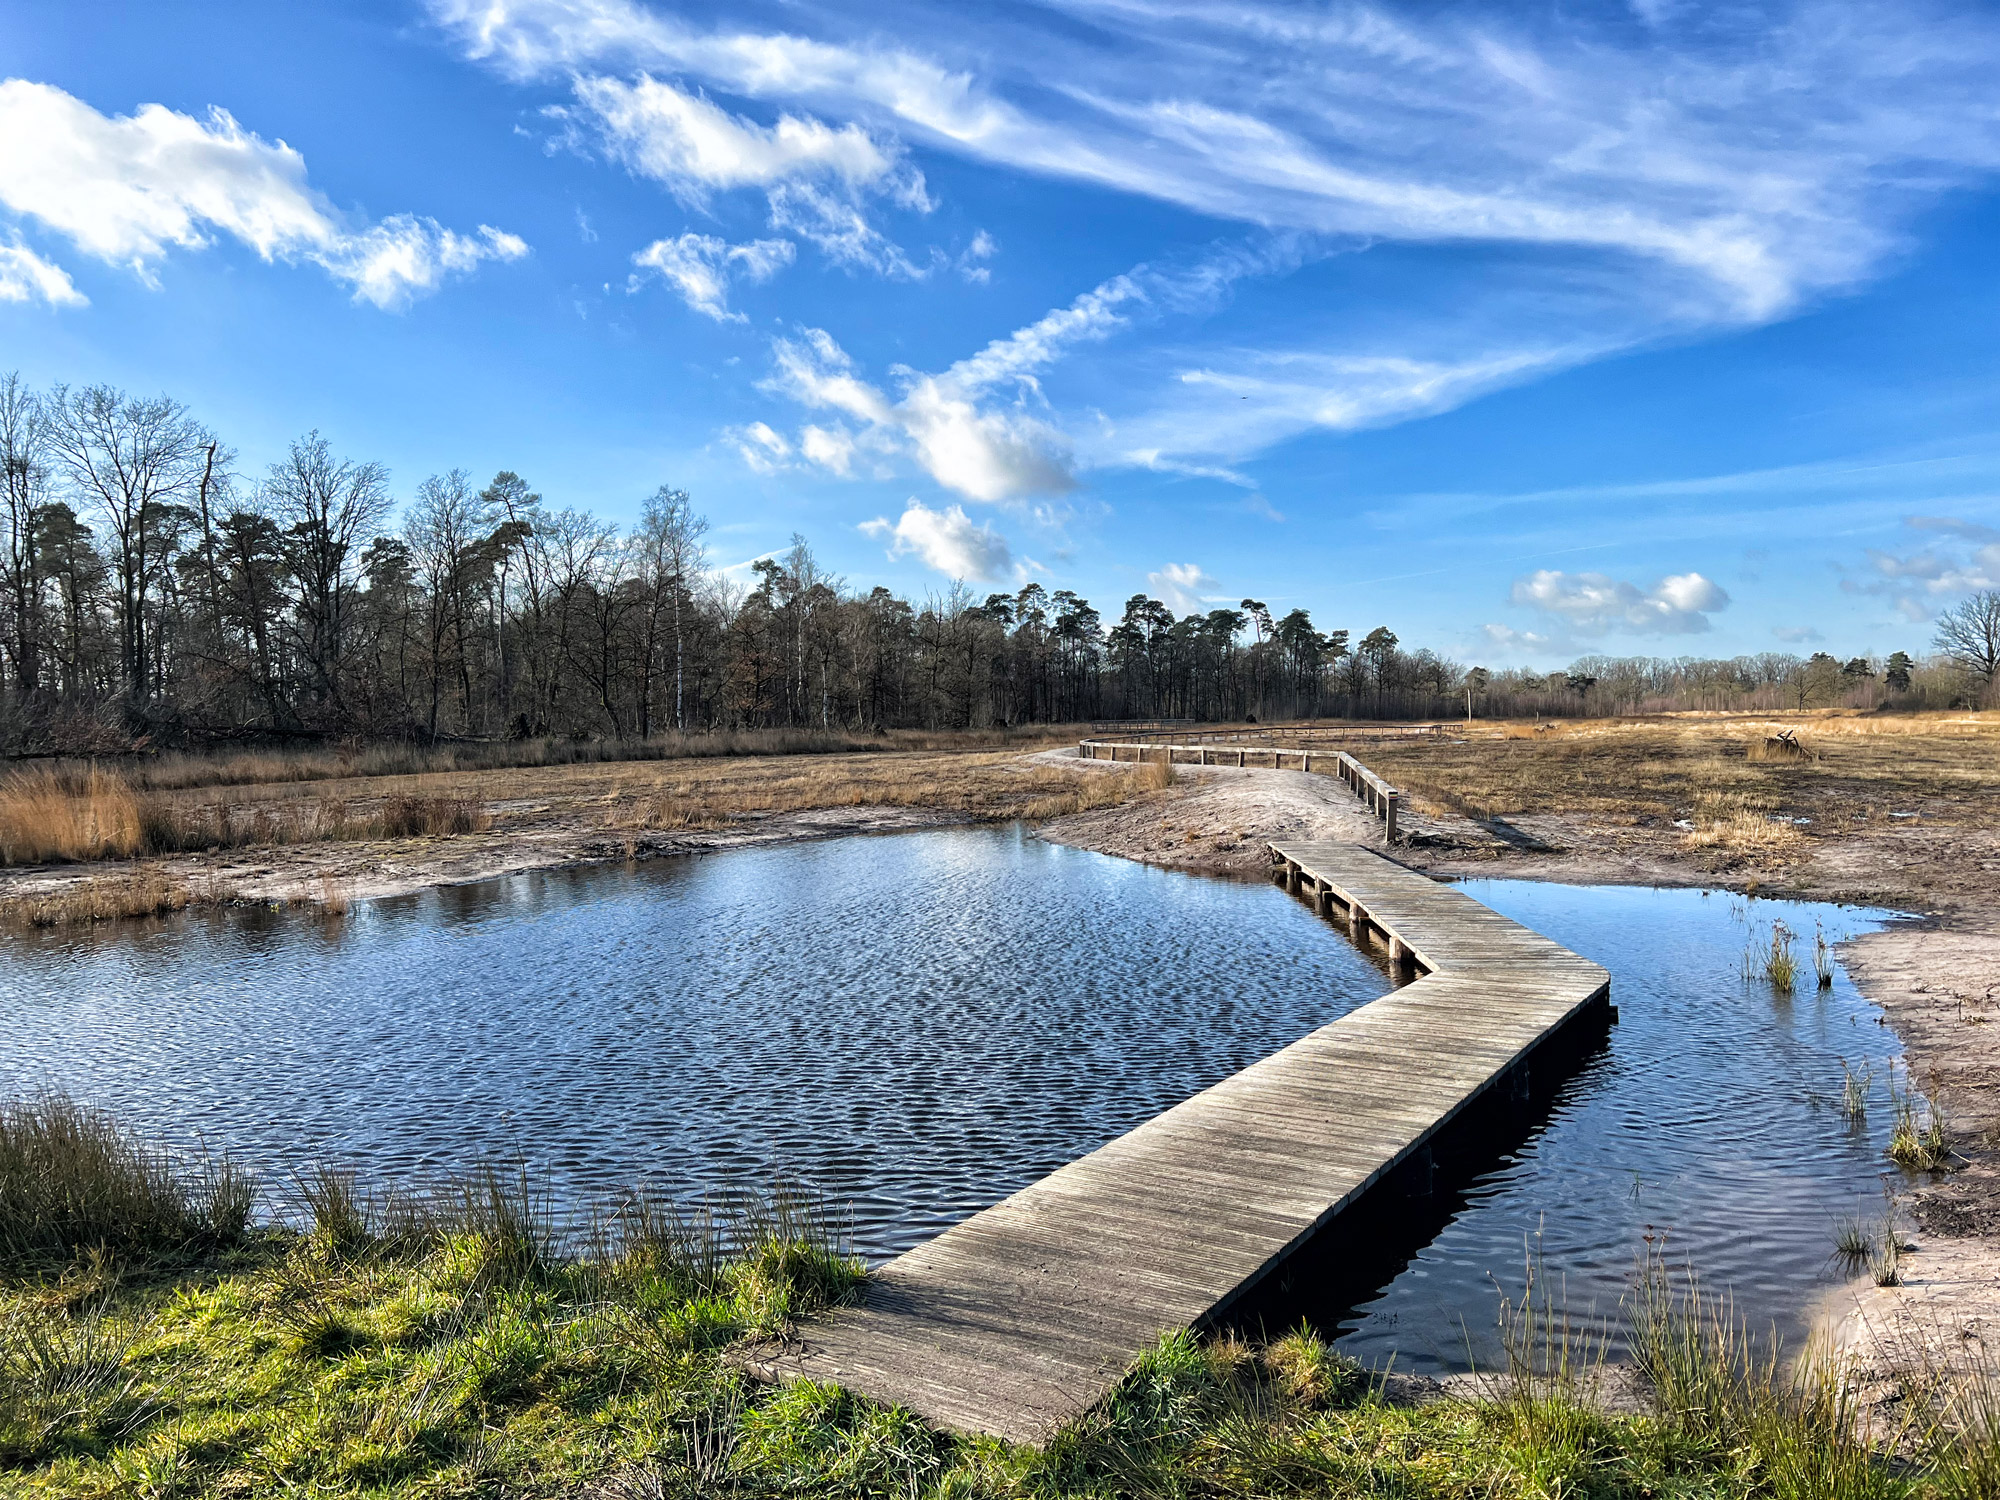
point(149, 590)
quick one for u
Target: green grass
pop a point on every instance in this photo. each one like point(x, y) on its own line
point(440, 1344)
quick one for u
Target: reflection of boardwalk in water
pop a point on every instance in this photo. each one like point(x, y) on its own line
point(1023, 1315)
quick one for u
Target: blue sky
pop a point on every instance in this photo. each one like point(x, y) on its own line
point(1653, 328)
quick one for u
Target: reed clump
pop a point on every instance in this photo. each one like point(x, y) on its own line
point(1773, 960)
point(72, 1178)
point(48, 815)
point(429, 817)
point(1854, 1091)
point(1746, 832)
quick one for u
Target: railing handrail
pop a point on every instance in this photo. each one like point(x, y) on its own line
point(1382, 798)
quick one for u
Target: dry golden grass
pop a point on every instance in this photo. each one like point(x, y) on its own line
point(181, 772)
point(1699, 768)
point(1747, 833)
point(47, 815)
point(995, 785)
point(51, 816)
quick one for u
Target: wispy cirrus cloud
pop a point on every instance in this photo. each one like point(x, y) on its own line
point(700, 268)
point(1683, 171)
point(975, 427)
point(130, 189)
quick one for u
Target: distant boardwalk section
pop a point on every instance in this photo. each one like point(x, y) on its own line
point(1024, 1315)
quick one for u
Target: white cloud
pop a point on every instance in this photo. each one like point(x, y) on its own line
point(695, 147)
point(949, 422)
point(1181, 586)
point(830, 448)
point(129, 189)
point(1594, 604)
point(1965, 559)
point(983, 248)
point(1507, 638)
point(700, 266)
point(763, 449)
point(1797, 635)
point(946, 540)
point(1659, 179)
point(1763, 161)
point(813, 175)
point(26, 277)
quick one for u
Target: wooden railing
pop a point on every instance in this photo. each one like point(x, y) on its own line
point(1383, 799)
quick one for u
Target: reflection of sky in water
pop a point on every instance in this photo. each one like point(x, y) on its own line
point(919, 1024)
point(1711, 1116)
point(924, 1023)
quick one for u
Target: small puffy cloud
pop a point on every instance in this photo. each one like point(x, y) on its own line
point(695, 147)
point(392, 263)
point(26, 277)
point(829, 447)
point(128, 190)
point(1181, 586)
point(1507, 638)
point(764, 449)
point(1594, 604)
point(970, 263)
point(947, 540)
point(700, 267)
point(1797, 635)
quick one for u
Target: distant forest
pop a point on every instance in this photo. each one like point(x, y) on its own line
point(150, 592)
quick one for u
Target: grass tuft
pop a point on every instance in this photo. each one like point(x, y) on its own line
point(1773, 960)
point(71, 1178)
point(1920, 1137)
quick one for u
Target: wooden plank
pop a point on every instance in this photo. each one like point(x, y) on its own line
point(1021, 1316)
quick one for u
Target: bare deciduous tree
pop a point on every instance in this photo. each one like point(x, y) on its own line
point(134, 459)
point(1968, 635)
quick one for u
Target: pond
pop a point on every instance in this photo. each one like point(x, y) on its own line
point(920, 1024)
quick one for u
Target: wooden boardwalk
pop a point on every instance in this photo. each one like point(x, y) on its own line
point(1022, 1316)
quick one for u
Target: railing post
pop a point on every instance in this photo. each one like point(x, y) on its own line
point(1389, 813)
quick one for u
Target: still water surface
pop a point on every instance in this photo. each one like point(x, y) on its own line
point(921, 1024)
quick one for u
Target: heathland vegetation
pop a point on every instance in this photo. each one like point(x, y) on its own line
point(158, 1338)
point(150, 593)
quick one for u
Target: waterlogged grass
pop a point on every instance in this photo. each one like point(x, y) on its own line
point(437, 1344)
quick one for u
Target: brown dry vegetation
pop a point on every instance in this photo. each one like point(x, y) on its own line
point(983, 786)
point(1716, 773)
point(54, 815)
point(145, 892)
point(346, 761)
